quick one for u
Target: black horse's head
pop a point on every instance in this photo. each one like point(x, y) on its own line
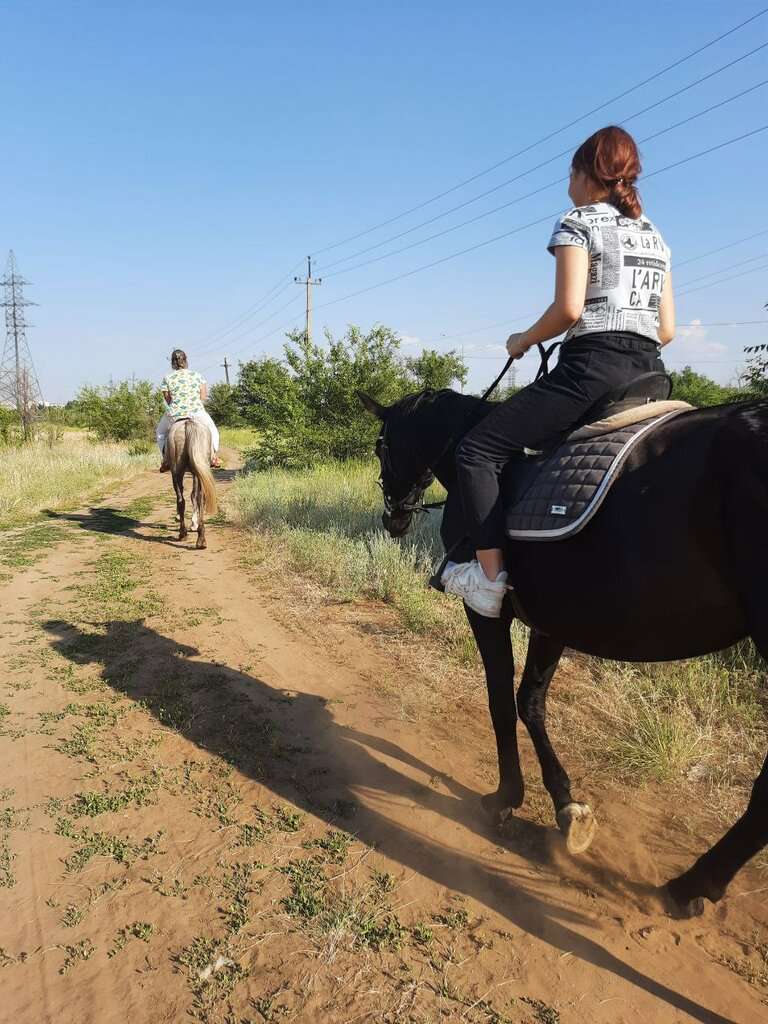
point(404, 475)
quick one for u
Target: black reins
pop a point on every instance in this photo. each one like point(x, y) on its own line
point(413, 502)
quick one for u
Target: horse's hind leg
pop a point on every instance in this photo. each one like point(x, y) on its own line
point(195, 503)
point(575, 820)
point(713, 871)
point(181, 505)
point(495, 645)
point(200, 513)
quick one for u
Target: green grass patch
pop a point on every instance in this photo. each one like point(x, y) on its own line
point(90, 844)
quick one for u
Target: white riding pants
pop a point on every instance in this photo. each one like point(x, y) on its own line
point(165, 424)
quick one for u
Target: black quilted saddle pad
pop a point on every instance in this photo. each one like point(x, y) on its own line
point(560, 493)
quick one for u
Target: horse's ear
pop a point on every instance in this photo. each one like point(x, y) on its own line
point(375, 408)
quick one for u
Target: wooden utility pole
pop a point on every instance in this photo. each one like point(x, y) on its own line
point(309, 281)
point(225, 367)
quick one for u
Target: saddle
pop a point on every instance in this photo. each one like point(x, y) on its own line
point(553, 495)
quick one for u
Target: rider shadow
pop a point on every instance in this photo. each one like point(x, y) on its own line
point(104, 519)
point(247, 722)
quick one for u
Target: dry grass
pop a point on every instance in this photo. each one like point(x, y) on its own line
point(59, 474)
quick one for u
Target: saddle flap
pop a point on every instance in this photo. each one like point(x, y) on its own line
point(557, 494)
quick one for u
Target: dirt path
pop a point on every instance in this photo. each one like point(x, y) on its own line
point(209, 810)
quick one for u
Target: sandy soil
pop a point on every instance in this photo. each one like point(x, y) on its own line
point(211, 808)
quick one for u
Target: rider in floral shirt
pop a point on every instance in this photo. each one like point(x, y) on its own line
point(184, 391)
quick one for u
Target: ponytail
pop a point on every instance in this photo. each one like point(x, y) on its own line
point(610, 158)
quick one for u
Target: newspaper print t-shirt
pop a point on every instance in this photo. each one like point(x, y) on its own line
point(628, 262)
point(184, 387)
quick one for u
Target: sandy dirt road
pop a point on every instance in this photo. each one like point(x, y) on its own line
point(210, 809)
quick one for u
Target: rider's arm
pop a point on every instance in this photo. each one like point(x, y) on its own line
point(666, 331)
point(167, 397)
point(568, 304)
point(203, 392)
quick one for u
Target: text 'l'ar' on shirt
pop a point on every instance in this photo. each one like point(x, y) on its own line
point(184, 388)
point(628, 263)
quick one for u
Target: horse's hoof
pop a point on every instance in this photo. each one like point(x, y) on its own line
point(200, 544)
point(679, 907)
point(578, 825)
point(499, 807)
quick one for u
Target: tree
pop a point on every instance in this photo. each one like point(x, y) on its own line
point(307, 409)
point(699, 390)
point(436, 370)
point(266, 394)
point(223, 406)
point(121, 413)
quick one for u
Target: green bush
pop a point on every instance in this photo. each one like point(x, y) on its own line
point(223, 406)
point(123, 412)
point(307, 409)
point(689, 386)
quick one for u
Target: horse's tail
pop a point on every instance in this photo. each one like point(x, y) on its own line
point(199, 455)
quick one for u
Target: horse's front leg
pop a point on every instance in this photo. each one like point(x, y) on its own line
point(575, 820)
point(494, 641)
point(181, 506)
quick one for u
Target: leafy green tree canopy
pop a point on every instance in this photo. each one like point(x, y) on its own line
point(699, 390)
point(436, 370)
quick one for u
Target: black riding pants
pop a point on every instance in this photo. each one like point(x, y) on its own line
point(539, 416)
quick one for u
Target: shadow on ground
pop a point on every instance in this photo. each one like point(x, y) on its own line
point(290, 743)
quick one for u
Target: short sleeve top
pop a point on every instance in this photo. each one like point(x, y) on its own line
point(184, 388)
point(628, 263)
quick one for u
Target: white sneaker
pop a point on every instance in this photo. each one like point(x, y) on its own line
point(468, 581)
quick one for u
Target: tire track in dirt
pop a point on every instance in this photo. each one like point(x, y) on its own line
point(174, 695)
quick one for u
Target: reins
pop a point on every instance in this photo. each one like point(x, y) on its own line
point(418, 506)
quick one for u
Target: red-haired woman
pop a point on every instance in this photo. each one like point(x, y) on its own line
point(613, 297)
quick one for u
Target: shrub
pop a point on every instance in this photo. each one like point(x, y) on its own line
point(307, 408)
point(121, 413)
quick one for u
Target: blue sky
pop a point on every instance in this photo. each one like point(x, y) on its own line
point(165, 165)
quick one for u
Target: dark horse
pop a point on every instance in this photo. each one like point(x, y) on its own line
point(674, 565)
point(188, 450)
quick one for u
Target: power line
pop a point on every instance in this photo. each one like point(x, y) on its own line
point(546, 138)
point(540, 220)
point(722, 248)
point(566, 152)
point(527, 195)
point(252, 309)
point(723, 270)
point(711, 284)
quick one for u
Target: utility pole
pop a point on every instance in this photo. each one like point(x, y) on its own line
point(225, 366)
point(309, 281)
point(19, 386)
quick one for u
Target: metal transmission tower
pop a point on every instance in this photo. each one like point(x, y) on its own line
point(309, 281)
point(19, 386)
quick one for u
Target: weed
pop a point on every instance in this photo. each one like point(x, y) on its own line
point(334, 844)
point(142, 930)
point(422, 933)
point(455, 919)
point(82, 950)
point(93, 844)
point(542, 1013)
point(139, 793)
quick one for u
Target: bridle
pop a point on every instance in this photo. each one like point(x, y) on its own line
point(413, 503)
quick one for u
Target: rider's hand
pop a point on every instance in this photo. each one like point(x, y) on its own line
point(517, 346)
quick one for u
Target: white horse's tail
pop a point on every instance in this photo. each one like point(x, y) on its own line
point(199, 455)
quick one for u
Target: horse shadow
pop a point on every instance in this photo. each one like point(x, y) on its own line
point(265, 732)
